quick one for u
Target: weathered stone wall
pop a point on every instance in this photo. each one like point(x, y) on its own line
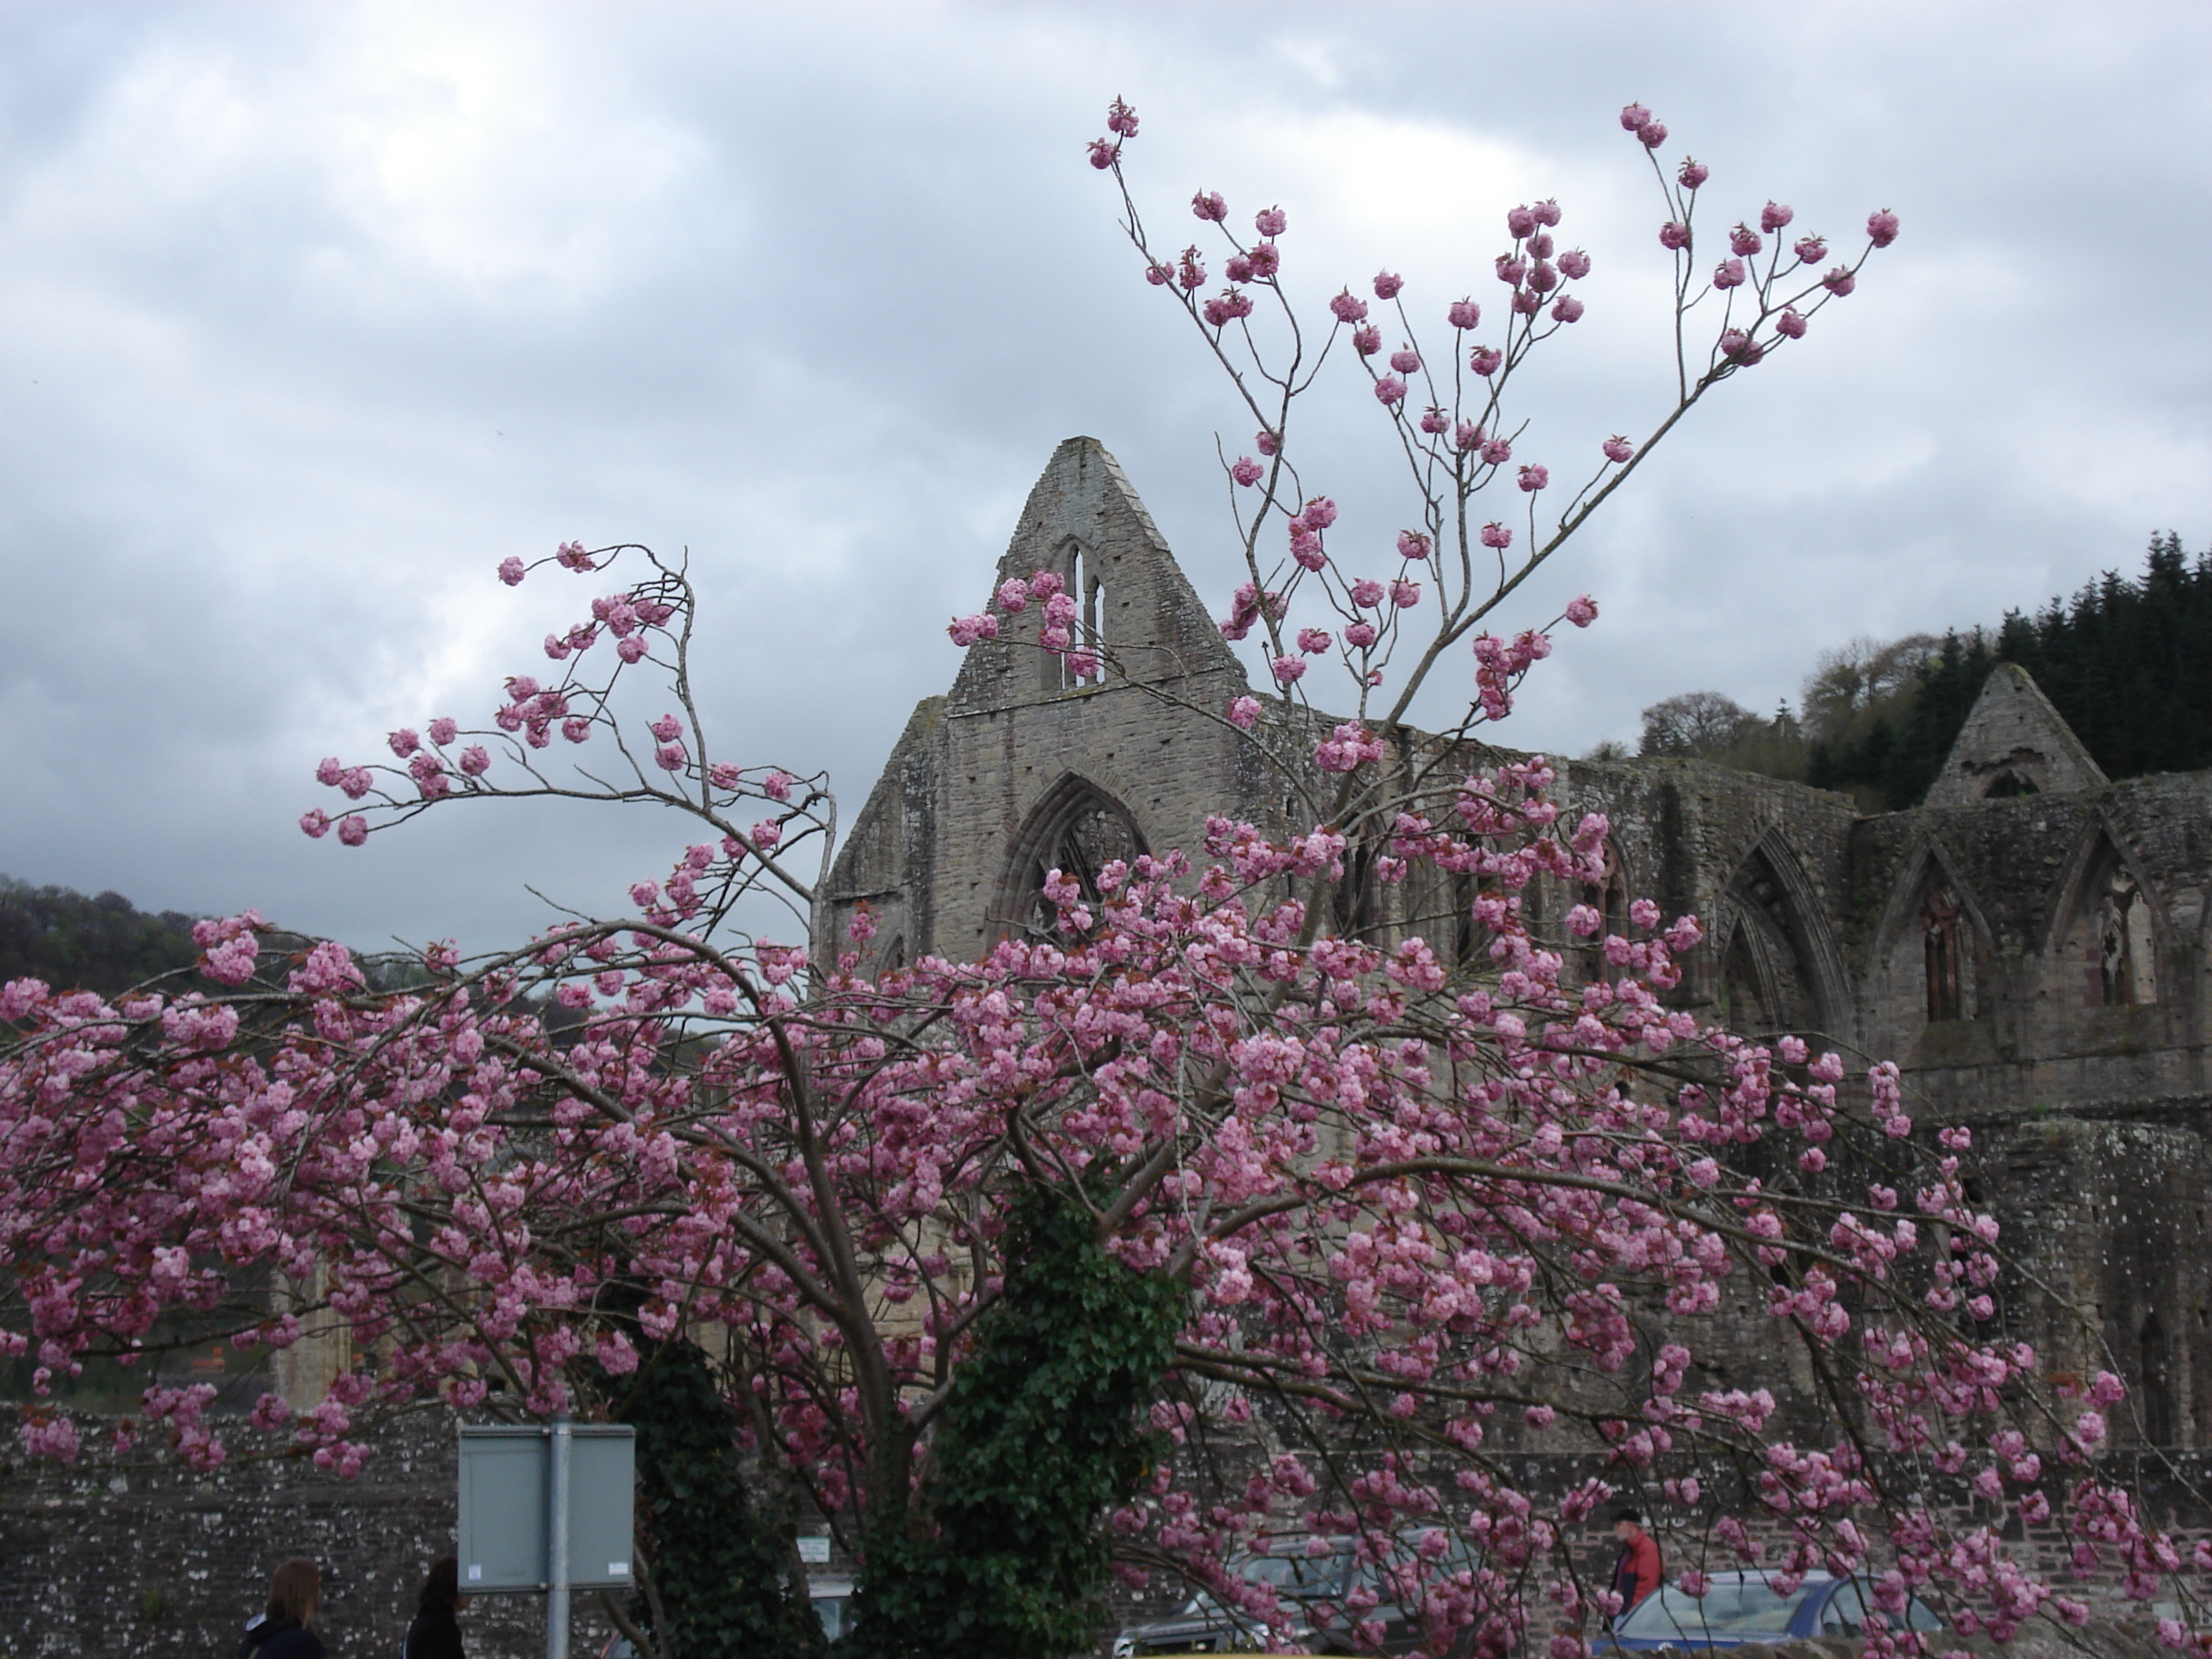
point(161, 1562)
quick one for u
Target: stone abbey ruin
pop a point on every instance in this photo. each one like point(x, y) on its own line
point(2028, 945)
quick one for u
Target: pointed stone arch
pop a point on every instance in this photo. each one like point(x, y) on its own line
point(1934, 935)
point(2110, 924)
point(1780, 969)
point(1077, 827)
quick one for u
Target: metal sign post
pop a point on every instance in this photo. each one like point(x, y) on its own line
point(547, 1509)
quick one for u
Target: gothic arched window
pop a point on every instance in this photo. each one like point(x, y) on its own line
point(2121, 940)
point(1077, 828)
point(1940, 938)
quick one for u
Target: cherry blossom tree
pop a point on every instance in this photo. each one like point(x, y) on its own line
point(1296, 1230)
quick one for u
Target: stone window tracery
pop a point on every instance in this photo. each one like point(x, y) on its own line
point(1077, 829)
point(2122, 942)
point(1940, 939)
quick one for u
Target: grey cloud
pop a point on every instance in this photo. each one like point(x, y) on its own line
point(329, 310)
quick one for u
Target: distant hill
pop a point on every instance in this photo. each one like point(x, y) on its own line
point(103, 944)
point(2127, 663)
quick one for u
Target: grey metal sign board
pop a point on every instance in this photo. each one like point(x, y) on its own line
point(504, 1507)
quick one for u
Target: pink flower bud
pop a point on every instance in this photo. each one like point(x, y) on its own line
point(1582, 611)
point(1543, 276)
point(1367, 593)
point(1244, 712)
point(1238, 270)
point(1811, 250)
point(511, 571)
point(1527, 302)
point(1840, 282)
point(1511, 269)
point(444, 730)
point(1789, 324)
point(1773, 216)
point(1575, 264)
point(1267, 259)
point(330, 771)
point(571, 556)
point(1412, 544)
point(315, 823)
point(1318, 514)
point(631, 649)
point(1367, 340)
point(1652, 134)
point(1247, 471)
point(1287, 670)
point(1520, 223)
point(1434, 421)
point(1674, 235)
point(1739, 347)
point(353, 830)
point(1404, 360)
point(1691, 173)
point(1498, 535)
point(1534, 477)
point(1617, 448)
point(404, 742)
point(1464, 314)
point(1547, 211)
point(1567, 308)
point(1121, 119)
point(1467, 435)
point(576, 729)
point(1313, 641)
point(1405, 594)
point(1729, 274)
point(1485, 360)
point(476, 760)
point(1270, 221)
point(1348, 307)
point(1013, 596)
point(1266, 442)
point(1359, 634)
point(1191, 272)
point(1743, 241)
point(1102, 154)
point(1208, 204)
point(1882, 227)
point(1387, 285)
point(1159, 276)
point(1496, 451)
point(671, 756)
point(1540, 246)
point(1633, 116)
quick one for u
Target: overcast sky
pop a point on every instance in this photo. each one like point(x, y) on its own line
point(309, 315)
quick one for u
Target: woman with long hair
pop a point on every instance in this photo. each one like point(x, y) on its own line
point(286, 1630)
point(436, 1633)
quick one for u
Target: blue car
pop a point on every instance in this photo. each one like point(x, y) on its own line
point(1744, 1606)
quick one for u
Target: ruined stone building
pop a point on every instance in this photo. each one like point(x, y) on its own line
point(2028, 945)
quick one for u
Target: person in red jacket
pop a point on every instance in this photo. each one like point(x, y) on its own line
point(1636, 1573)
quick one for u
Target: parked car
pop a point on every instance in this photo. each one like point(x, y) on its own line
point(1203, 1624)
point(832, 1599)
point(1745, 1606)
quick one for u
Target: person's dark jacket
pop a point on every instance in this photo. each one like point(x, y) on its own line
point(435, 1634)
point(265, 1640)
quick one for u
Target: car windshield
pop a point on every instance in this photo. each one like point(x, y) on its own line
point(1292, 1574)
point(1731, 1607)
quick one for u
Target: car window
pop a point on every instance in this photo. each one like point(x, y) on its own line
point(1729, 1607)
point(1921, 1616)
point(1844, 1613)
point(1296, 1574)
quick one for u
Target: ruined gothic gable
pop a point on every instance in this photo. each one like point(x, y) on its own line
point(2027, 943)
